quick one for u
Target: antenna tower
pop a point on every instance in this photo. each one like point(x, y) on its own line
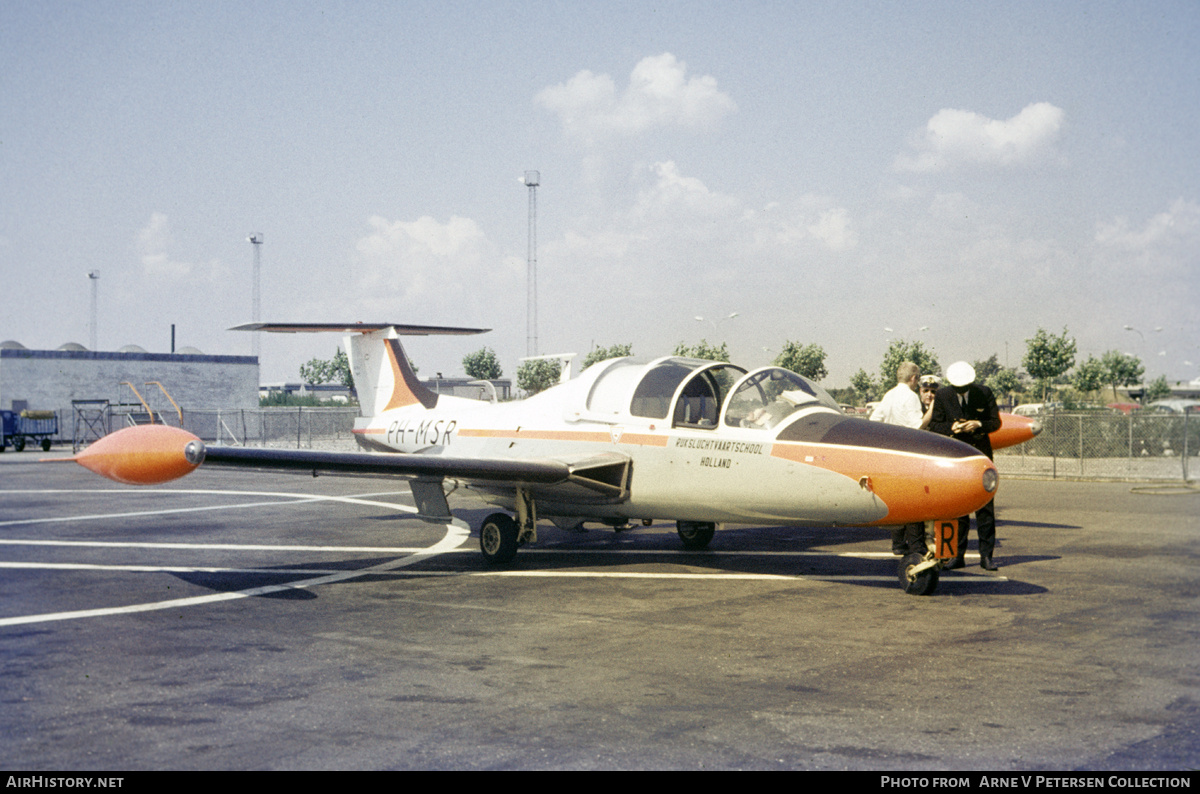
point(532, 180)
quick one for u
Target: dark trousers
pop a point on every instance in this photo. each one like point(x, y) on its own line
point(985, 527)
point(909, 539)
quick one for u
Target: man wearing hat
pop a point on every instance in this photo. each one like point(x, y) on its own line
point(967, 411)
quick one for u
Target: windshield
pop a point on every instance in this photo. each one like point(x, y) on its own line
point(768, 396)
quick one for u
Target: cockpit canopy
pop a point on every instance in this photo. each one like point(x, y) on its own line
point(767, 396)
point(693, 392)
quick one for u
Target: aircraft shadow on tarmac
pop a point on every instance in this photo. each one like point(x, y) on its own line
point(805, 552)
point(284, 575)
point(1000, 522)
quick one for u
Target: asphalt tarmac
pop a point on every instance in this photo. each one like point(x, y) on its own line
point(242, 620)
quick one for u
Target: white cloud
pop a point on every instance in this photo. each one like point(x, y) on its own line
point(1178, 225)
point(955, 137)
point(679, 207)
point(427, 268)
point(782, 229)
point(833, 230)
point(153, 242)
point(659, 94)
point(673, 193)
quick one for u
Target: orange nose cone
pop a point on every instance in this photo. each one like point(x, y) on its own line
point(1014, 430)
point(945, 488)
point(141, 455)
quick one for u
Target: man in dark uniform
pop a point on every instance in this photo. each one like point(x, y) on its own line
point(968, 412)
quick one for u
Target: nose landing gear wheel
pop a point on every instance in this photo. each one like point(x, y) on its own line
point(923, 583)
point(695, 534)
point(498, 538)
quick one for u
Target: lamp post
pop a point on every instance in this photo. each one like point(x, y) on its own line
point(256, 240)
point(714, 323)
point(1142, 349)
point(532, 180)
point(93, 321)
point(919, 330)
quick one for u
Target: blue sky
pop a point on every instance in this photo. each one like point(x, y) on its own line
point(827, 171)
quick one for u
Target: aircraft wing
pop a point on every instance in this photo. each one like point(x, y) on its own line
point(151, 454)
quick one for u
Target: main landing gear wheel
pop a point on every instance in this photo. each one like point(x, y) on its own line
point(695, 534)
point(923, 583)
point(498, 538)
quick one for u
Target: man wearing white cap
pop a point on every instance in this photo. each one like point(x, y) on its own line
point(967, 411)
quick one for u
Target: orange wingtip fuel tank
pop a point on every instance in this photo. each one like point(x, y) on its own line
point(141, 455)
point(1014, 430)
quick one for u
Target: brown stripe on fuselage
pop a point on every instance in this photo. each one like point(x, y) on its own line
point(640, 439)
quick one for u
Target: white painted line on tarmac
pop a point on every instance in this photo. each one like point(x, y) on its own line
point(741, 576)
point(410, 549)
point(80, 566)
point(637, 575)
point(280, 499)
point(456, 533)
point(112, 544)
point(704, 553)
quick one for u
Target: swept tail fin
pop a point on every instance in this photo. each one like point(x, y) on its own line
point(383, 376)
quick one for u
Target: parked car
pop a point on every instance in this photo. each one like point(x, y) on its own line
point(1033, 409)
point(1176, 406)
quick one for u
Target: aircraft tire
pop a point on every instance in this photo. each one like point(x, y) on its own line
point(924, 584)
point(695, 534)
point(498, 538)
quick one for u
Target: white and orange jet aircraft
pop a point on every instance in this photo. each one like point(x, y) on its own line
point(698, 442)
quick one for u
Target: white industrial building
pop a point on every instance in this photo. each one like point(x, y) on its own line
point(52, 380)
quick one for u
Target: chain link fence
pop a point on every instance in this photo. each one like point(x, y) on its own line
point(293, 428)
point(1094, 445)
point(303, 427)
point(1085, 445)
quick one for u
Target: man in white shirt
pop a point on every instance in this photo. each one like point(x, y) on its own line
point(902, 406)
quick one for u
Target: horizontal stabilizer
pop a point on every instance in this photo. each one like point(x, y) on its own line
point(362, 328)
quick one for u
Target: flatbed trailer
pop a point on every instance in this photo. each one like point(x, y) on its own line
point(18, 428)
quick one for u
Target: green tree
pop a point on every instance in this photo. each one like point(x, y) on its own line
point(538, 375)
point(482, 365)
point(335, 370)
point(1004, 381)
point(806, 360)
point(843, 396)
point(986, 368)
point(862, 383)
point(1090, 376)
point(1158, 389)
point(703, 350)
point(1048, 356)
point(900, 351)
point(599, 354)
point(1121, 369)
